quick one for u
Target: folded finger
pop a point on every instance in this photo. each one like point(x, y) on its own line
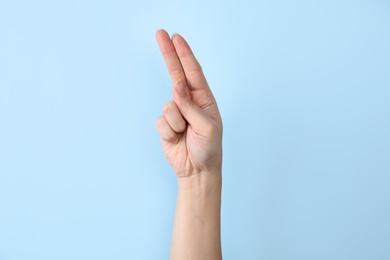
point(165, 131)
point(174, 117)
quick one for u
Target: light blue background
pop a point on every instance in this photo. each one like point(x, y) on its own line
point(303, 88)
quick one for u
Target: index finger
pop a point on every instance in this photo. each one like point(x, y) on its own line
point(169, 54)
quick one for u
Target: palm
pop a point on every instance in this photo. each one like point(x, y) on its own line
point(191, 134)
point(189, 154)
point(180, 155)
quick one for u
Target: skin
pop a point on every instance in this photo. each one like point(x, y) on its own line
point(190, 129)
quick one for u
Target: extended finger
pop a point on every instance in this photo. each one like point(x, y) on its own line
point(174, 117)
point(202, 95)
point(165, 131)
point(169, 54)
point(191, 67)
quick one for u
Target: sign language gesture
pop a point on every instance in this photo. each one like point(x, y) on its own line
point(191, 136)
point(191, 126)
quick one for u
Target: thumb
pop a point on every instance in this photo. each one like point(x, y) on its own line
point(194, 115)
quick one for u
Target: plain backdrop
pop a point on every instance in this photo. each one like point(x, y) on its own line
point(303, 89)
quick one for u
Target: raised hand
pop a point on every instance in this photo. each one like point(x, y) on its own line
point(191, 126)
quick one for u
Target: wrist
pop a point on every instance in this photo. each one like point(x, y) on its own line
point(198, 214)
point(203, 188)
point(200, 195)
point(200, 181)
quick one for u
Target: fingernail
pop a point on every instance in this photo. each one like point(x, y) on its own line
point(180, 88)
point(175, 37)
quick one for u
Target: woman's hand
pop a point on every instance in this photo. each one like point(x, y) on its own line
point(191, 136)
point(191, 126)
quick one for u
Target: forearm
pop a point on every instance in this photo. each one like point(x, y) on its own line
point(196, 232)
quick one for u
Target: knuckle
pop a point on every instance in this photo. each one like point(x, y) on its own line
point(195, 72)
point(166, 107)
point(159, 121)
point(175, 72)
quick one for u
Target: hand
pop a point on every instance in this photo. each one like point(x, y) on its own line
point(191, 126)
